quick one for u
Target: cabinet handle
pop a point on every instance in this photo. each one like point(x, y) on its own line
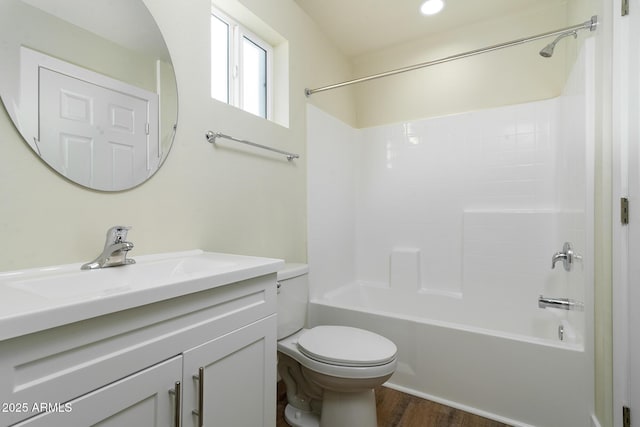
point(177, 405)
point(200, 411)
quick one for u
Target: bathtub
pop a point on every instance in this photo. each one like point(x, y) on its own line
point(516, 371)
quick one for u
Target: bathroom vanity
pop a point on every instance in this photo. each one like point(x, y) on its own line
point(176, 339)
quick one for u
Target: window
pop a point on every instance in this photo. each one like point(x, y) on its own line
point(240, 66)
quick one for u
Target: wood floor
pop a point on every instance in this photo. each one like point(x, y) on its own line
point(396, 409)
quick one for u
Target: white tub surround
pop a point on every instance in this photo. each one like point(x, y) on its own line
point(467, 209)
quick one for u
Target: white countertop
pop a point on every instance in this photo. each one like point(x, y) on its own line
point(41, 298)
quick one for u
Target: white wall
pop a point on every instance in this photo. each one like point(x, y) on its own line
point(223, 199)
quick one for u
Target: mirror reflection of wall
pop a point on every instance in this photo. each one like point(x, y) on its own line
point(118, 40)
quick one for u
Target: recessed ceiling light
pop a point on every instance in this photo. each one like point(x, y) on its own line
point(431, 7)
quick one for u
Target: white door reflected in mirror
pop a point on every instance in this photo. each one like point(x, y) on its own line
point(100, 137)
point(90, 87)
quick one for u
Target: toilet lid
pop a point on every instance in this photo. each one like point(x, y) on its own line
point(346, 346)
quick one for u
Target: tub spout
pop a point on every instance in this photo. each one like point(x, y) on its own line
point(562, 303)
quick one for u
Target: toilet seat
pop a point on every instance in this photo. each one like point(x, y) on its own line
point(289, 346)
point(346, 346)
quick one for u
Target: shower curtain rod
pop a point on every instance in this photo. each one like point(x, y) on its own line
point(587, 25)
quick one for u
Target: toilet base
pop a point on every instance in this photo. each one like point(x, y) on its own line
point(298, 418)
point(349, 409)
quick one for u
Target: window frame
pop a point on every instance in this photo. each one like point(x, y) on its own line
point(236, 34)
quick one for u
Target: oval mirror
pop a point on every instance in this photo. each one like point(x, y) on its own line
point(90, 87)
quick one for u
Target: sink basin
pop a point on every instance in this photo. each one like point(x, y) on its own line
point(37, 299)
point(81, 284)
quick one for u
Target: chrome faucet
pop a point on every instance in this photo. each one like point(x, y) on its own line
point(115, 250)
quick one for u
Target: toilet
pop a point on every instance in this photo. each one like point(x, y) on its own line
point(329, 371)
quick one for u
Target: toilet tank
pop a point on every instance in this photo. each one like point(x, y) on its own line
point(293, 298)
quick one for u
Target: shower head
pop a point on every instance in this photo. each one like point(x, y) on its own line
point(547, 51)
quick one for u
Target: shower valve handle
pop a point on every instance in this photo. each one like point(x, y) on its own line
point(567, 256)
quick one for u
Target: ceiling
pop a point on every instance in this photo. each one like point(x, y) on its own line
point(360, 26)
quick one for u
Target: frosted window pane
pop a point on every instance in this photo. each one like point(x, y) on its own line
point(219, 60)
point(254, 95)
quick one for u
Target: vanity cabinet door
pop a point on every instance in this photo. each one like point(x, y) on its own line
point(237, 372)
point(144, 399)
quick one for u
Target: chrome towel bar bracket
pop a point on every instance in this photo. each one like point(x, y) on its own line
point(212, 136)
